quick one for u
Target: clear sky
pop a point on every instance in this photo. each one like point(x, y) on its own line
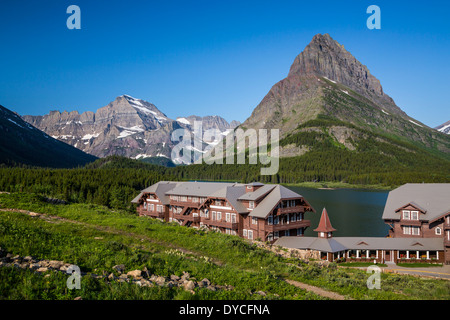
point(212, 57)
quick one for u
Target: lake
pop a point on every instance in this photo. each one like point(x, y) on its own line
point(352, 212)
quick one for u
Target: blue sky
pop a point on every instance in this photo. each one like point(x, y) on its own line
point(212, 57)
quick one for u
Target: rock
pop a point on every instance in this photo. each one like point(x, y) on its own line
point(111, 276)
point(55, 264)
point(261, 293)
point(42, 269)
point(204, 283)
point(160, 281)
point(189, 285)
point(119, 268)
point(145, 283)
point(185, 276)
point(78, 298)
point(174, 277)
point(135, 273)
point(27, 258)
point(212, 288)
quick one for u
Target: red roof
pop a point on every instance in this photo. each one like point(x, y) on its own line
point(324, 223)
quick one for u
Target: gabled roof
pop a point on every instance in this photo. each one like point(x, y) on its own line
point(258, 193)
point(232, 193)
point(198, 189)
point(160, 188)
point(278, 193)
point(432, 198)
point(324, 223)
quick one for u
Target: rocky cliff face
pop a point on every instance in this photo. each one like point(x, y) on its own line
point(326, 80)
point(127, 126)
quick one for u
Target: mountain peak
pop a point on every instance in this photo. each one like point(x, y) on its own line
point(325, 57)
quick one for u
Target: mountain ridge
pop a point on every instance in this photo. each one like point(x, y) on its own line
point(23, 144)
point(126, 126)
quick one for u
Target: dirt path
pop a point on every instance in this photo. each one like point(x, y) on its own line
point(318, 291)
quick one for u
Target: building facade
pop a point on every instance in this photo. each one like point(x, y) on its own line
point(252, 211)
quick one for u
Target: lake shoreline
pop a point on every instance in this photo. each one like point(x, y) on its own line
point(338, 185)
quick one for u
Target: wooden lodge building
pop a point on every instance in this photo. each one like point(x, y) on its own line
point(252, 211)
point(418, 214)
point(419, 217)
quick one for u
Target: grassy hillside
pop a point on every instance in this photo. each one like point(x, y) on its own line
point(96, 239)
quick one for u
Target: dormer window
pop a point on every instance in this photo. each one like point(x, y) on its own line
point(251, 204)
point(414, 215)
point(406, 214)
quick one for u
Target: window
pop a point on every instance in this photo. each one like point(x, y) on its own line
point(214, 215)
point(250, 234)
point(411, 230)
point(251, 204)
point(233, 217)
point(270, 220)
point(438, 231)
point(219, 216)
point(299, 231)
point(276, 235)
point(244, 233)
point(254, 220)
point(406, 214)
point(145, 205)
point(227, 217)
point(151, 207)
point(218, 203)
point(414, 215)
point(183, 198)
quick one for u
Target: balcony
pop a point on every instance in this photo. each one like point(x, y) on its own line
point(288, 225)
point(152, 214)
point(195, 205)
point(221, 224)
point(295, 209)
point(186, 217)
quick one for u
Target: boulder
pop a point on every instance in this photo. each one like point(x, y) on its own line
point(174, 277)
point(42, 269)
point(135, 273)
point(55, 264)
point(204, 283)
point(189, 285)
point(120, 268)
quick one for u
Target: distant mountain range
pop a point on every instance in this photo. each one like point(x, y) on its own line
point(127, 127)
point(23, 144)
point(444, 128)
point(329, 103)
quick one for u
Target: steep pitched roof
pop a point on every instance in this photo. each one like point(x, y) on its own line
point(263, 209)
point(432, 198)
point(160, 188)
point(257, 193)
point(232, 193)
point(324, 223)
